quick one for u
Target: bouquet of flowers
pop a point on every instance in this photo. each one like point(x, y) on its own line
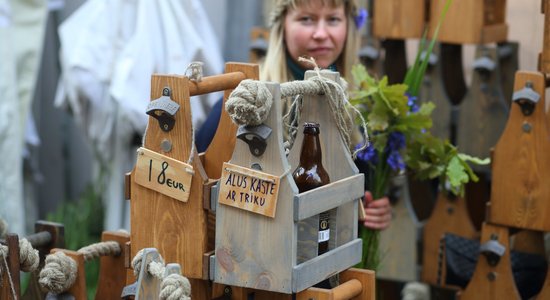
point(400, 139)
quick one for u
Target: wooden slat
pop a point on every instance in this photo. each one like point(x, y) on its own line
point(315, 270)
point(367, 279)
point(328, 197)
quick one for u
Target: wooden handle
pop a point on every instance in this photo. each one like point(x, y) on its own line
point(216, 83)
point(347, 290)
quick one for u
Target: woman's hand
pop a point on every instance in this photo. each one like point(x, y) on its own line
point(378, 213)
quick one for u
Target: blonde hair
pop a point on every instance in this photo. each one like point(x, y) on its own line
point(274, 67)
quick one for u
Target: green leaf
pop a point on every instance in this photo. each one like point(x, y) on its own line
point(456, 173)
point(475, 160)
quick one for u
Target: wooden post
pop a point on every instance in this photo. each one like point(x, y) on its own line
point(112, 270)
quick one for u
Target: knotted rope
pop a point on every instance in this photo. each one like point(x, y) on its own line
point(250, 103)
point(59, 272)
point(173, 286)
point(28, 260)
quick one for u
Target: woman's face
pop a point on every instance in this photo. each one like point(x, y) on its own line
point(316, 31)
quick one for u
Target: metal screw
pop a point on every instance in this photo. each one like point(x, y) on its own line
point(492, 276)
point(494, 236)
point(256, 166)
point(526, 127)
point(166, 91)
point(450, 210)
point(166, 145)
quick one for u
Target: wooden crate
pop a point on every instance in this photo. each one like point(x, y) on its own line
point(470, 21)
point(399, 19)
point(279, 253)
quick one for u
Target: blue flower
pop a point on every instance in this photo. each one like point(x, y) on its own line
point(396, 141)
point(368, 154)
point(395, 161)
point(361, 18)
point(411, 102)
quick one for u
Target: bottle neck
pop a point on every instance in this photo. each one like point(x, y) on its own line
point(311, 150)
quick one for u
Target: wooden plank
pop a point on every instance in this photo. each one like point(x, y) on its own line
point(78, 290)
point(12, 260)
point(449, 216)
point(519, 194)
point(327, 197)
point(219, 150)
point(323, 266)
point(398, 19)
point(184, 223)
point(258, 35)
point(492, 282)
point(112, 269)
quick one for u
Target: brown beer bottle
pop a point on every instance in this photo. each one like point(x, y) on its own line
point(310, 174)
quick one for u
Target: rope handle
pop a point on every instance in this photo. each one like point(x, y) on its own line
point(250, 103)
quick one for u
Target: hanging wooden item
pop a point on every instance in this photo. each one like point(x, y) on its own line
point(398, 19)
point(519, 194)
point(470, 21)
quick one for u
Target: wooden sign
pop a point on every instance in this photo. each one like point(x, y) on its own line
point(163, 174)
point(249, 189)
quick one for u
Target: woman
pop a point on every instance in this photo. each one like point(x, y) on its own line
point(325, 30)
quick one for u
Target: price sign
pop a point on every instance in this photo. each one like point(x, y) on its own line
point(163, 174)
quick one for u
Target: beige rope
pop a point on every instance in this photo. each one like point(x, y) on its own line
point(251, 101)
point(93, 251)
point(59, 272)
point(175, 287)
point(28, 256)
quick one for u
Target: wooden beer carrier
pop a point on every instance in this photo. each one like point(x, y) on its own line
point(176, 217)
point(270, 247)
